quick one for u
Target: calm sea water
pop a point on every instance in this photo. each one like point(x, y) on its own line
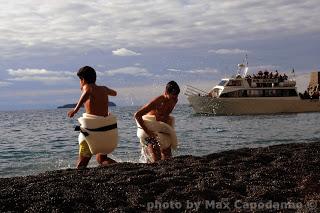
point(35, 141)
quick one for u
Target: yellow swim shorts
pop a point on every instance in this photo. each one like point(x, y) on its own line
point(84, 149)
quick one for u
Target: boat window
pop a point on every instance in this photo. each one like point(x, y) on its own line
point(261, 93)
point(235, 94)
point(292, 92)
point(281, 93)
point(270, 93)
point(222, 83)
point(255, 93)
point(234, 83)
point(230, 94)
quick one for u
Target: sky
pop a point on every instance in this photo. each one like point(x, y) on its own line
point(137, 46)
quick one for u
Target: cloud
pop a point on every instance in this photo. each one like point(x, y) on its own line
point(174, 70)
point(228, 51)
point(42, 75)
point(71, 25)
point(38, 98)
point(195, 71)
point(124, 52)
point(203, 71)
point(31, 93)
point(5, 84)
point(264, 67)
point(133, 71)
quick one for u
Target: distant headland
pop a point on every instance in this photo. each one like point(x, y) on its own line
point(74, 105)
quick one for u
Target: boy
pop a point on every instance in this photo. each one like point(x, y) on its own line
point(95, 100)
point(160, 107)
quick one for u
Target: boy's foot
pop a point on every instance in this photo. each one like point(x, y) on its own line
point(103, 160)
point(108, 162)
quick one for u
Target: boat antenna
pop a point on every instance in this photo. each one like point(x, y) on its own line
point(246, 60)
point(293, 73)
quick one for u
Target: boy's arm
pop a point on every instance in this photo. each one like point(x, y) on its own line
point(111, 92)
point(84, 96)
point(144, 110)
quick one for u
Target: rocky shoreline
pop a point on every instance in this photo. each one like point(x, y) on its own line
point(276, 178)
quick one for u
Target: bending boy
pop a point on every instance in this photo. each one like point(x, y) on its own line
point(95, 100)
point(160, 108)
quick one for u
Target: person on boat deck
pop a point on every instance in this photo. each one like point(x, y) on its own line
point(280, 78)
point(315, 95)
point(160, 107)
point(95, 100)
point(271, 75)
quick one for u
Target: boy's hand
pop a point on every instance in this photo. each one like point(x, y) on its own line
point(71, 113)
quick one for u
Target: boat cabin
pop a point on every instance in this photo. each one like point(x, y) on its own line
point(238, 87)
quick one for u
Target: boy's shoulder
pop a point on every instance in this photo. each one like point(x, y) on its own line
point(87, 87)
point(101, 87)
point(158, 98)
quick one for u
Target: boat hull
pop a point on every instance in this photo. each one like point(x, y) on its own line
point(248, 106)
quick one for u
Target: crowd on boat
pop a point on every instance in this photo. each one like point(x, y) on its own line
point(268, 75)
point(312, 92)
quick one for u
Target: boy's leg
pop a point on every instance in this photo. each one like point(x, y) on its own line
point(83, 162)
point(154, 153)
point(84, 155)
point(166, 153)
point(103, 159)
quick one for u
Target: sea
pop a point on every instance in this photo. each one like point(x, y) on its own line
point(35, 141)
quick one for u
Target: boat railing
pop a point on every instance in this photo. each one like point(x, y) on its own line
point(191, 91)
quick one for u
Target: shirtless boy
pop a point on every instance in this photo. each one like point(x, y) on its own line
point(95, 100)
point(160, 107)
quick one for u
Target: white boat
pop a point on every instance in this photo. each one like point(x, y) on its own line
point(258, 94)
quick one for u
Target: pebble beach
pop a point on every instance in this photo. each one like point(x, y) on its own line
point(276, 178)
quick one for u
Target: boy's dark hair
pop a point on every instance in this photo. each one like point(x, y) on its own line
point(88, 74)
point(173, 88)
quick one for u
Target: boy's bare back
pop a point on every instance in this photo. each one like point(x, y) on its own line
point(97, 101)
point(161, 107)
